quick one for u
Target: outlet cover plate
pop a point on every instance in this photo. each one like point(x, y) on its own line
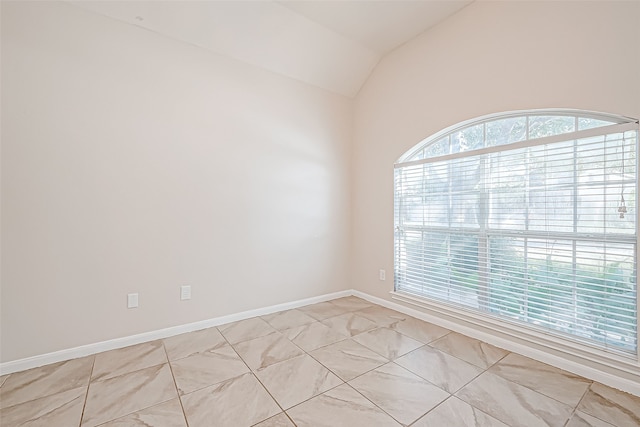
point(132, 300)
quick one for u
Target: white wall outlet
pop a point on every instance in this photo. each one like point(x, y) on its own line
point(185, 292)
point(132, 300)
point(383, 275)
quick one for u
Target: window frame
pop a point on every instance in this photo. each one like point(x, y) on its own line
point(408, 159)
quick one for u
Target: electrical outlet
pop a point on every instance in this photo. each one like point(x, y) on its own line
point(132, 300)
point(185, 292)
point(383, 275)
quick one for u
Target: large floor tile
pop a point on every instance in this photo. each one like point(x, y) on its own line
point(611, 405)
point(312, 336)
point(44, 381)
point(470, 350)
point(244, 330)
point(60, 409)
point(456, 413)
point(323, 310)
point(349, 324)
point(115, 397)
point(580, 419)
point(387, 343)
point(288, 319)
point(553, 382)
point(124, 360)
point(351, 303)
point(441, 369)
point(514, 404)
point(167, 414)
point(296, 380)
point(382, 316)
point(184, 345)
point(267, 350)
point(340, 407)
point(204, 369)
point(419, 330)
point(400, 393)
point(348, 359)
point(238, 402)
point(280, 420)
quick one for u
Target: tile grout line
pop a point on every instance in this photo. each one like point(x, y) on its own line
point(373, 369)
point(578, 404)
point(253, 373)
point(175, 384)
point(282, 361)
point(574, 408)
point(132, 372)
point(483, 370)
point(451, 396)
point(86, 394)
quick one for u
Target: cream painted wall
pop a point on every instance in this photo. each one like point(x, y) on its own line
point(134, 163)
point(490, 57)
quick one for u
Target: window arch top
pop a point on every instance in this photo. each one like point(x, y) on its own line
point(505, 129)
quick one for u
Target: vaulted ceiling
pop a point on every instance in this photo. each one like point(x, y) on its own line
point(330, 44)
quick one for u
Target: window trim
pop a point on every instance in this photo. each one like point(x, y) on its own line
point(621, 360)
point(616, 128)
point(509, 115)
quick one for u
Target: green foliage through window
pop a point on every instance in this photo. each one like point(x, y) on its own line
point(521, 221)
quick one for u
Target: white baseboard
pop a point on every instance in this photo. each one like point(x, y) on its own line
point(99, 347)
point(626, 384)
point(591, 371)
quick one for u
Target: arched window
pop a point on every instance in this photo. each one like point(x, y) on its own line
point(526, 217)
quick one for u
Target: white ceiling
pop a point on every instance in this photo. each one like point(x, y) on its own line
point(330, 44)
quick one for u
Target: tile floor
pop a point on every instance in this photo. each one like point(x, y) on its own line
point(340, 363)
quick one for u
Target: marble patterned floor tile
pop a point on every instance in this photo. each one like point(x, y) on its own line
point(60, 409)
point(351, 303)
point(348, 359)
point(382, 316)
point(128, 359)
point(115, 397)
point(184, 345)
point(340, 407)
point(3, 379)
point(240, 401)
point(167, 414)
point(288, 319)
point(417, 329)
point(46, 380)
point(267, 350)
point(470, 350)
point(349, 324)
point(514, 404)
point(439, 368)
point(580, 419)
point(455, 412)
point(400, 393)
point(244, 330)
point(208, 368)
point(548, 380)
point(312, 336)
point(323, 310)
point(296, 380)
point(280, 420)
point(387, 343)
point(611, 405)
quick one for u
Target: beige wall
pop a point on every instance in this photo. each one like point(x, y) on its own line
point(134, 163)
point(491, 57)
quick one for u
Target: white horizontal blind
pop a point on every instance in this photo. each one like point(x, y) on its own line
point(529, 232)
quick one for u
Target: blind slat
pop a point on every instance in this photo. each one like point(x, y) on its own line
point(530, 231)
